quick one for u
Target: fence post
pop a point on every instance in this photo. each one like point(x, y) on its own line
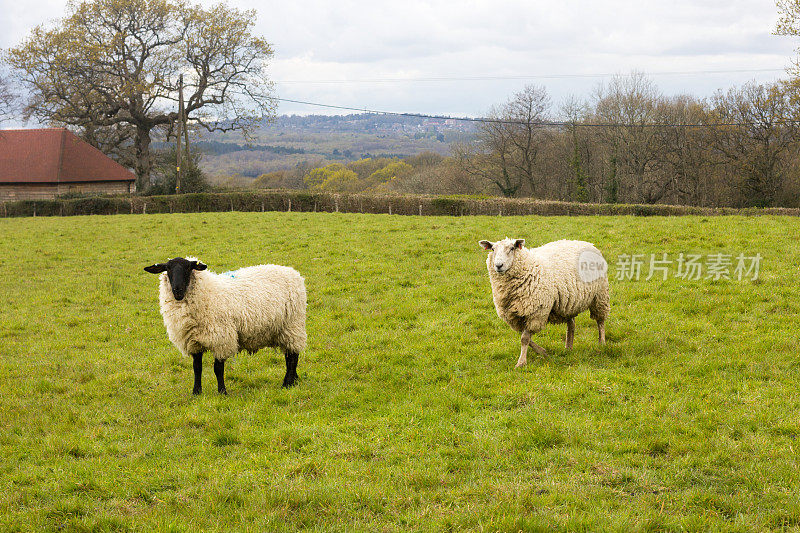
point(390, 209)
point(144, 208)
point(336, 201)
point(290, 205)
point(420, 209)
point(262, 206)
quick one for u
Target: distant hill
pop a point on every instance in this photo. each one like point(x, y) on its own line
point(367, 123)
point(291, 140)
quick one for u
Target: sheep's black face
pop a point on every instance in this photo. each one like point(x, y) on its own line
point(179, 273)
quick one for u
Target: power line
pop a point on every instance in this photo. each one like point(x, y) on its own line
point(543, 123)
point(528, 77)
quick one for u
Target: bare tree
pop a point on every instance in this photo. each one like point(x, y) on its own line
point(754, 134)
point(629, 104)
point(490, 157)
point(111, 68)
point(7, 100)
point(684, 159)
point(577, 152)
point(526, 113)
point(509, 143)
point(789, 24)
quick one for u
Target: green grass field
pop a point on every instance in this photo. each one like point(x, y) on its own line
point(409, 414)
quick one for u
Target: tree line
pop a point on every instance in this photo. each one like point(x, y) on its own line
point(632, 144)
point(628, 144)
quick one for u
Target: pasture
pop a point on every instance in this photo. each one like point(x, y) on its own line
point(409, 414)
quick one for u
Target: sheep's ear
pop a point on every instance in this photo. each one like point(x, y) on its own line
point(519, 243)
point(197, 265)
point(158, 268)
point(486, 245)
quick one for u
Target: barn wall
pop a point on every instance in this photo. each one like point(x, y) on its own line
point(10, 192)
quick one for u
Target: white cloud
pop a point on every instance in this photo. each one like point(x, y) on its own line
point(319, 40)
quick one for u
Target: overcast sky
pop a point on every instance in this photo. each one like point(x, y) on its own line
point(392, 56)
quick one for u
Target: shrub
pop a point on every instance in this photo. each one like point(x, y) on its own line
point(166, 174)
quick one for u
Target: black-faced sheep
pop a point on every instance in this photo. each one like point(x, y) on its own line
point(248, 309)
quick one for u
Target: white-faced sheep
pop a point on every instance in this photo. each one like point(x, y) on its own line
point(248, 309)
point(551, 283)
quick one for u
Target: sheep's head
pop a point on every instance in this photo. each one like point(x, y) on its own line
point(179, 273)
point(502, 252)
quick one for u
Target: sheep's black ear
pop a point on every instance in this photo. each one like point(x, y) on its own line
point(486, 245)
point(197, 265)
point(519, 243)
point(158, 268)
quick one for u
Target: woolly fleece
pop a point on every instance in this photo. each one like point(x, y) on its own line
point(261, 306)
point(543, 285)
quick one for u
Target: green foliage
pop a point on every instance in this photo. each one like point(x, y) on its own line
point(333, 177)
point(357, 176)
point(166, 179)
point(391, 171)
point(341, 180)
point(449, 205)
point(580, 193)
point(366, 166)
point(408, 415)
point(271, 180)
point(612, 185)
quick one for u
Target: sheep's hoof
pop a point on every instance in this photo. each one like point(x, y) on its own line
point(223, 391)
point(521, 364)
point(196, 391)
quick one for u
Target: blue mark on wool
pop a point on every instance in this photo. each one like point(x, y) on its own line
point(230, 273)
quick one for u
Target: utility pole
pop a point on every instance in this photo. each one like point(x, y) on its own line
point(181, 130)
point(185, 129)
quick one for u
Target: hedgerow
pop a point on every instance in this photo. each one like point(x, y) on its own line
point(318, 201)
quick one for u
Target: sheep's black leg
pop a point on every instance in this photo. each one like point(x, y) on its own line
point(219, 371)
point(198, 373)
point(291, 368)
point(295, 358)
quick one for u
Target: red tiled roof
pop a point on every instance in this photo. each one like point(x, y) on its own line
point(54, 156)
